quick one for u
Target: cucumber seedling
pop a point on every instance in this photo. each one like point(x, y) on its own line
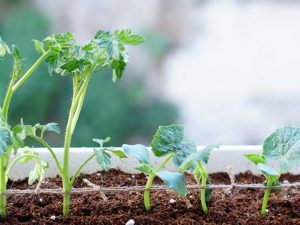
point(67, 58)
point(12, 137)
point(281, 152)
point(168, 141)
point(195, 163)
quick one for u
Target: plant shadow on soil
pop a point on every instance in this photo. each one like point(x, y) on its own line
point(237, 206)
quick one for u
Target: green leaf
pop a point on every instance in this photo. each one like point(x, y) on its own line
point(39, 171)
point(190, 163)
point(127, 38)
point(4, 139)
point(167, 139)
point(101, 142)
point(283, 146)
point(174, 180)
point(145, 168)
point(119, 153)
point(140, 152)
point(18, 136)
point(267, 170)
point(103, 158)
point(29, 155)
point(52, 127)
point(255, 158)
point(38, 46)
point(185, 148)
point(3, 48)
point(18, 62)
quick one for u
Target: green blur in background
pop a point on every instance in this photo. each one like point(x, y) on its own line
point(123, 110)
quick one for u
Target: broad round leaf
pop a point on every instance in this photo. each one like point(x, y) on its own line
point(140, 152)
point(174, 180)
point(283, 146)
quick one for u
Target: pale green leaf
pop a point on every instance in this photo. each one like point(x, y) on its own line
point(174, 180)
point(145, 168)
point(140, 152)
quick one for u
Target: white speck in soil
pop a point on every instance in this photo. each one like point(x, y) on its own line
point(41, 200)
point(191, 196)
point(286, 182)
point(53, 217)
point(133, 176)
point(130, 222)
point(98, 174)
point(267, 210)
point(172, 201)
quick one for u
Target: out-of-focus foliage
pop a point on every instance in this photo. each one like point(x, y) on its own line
point(121, 110)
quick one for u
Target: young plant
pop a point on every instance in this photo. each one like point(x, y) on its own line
point(281, 150)
point(168, 141)
point(195, 163)
point(67, 58)
point(12, 138)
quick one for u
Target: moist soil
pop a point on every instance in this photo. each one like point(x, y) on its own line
point(236, 206)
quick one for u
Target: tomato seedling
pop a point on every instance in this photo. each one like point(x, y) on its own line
point(168, 141)
point(67, 58)
point(281, 150)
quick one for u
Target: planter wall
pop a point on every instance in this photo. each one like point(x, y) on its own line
point(219, 161)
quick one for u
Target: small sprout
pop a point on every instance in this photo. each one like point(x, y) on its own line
point(168, 141)
point(195, 163)
point(281, 148)
point(130, 222)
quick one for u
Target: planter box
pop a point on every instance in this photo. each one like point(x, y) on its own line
point(219, 161)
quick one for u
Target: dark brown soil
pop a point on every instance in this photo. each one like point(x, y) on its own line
point(226, 207)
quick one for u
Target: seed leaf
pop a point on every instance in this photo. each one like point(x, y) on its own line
point(140, 152)
point(145, 168)
point(103, 158)
point(256, 158)
point(119, 153)
point(283, 146)
point(174, 180)
point(267, 170)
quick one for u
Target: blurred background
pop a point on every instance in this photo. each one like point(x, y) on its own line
point(226, 70)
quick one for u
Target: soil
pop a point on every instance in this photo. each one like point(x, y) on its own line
point(238, 206)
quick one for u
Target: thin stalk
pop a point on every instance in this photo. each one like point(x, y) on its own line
point(46, 145)
point(150, 181)
point(76, 174)
point(11, 165)
point(203, 187)
point(30, 71)
point(266, 197)
point(2, 189)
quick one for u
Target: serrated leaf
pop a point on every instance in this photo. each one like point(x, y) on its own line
point(167, 139)
point(4, 139)
point(29, 155)
point(144, 168)
point(267, 170)
point(174, 180)
point(38, 46)
point(52, 127)
point(255, 158)
point(103, 158)
point(140, 152)
point(283, 146)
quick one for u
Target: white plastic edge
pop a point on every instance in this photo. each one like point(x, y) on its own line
point(219, 161)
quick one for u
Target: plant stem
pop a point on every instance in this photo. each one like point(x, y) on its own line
point(203, 187)
point(76, 174)
point(266, 197)
point(46, 145)
point(150, 181)
point(30, 71)
point(2, 188)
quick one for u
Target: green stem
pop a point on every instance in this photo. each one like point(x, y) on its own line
point(30, 71)
point(46, 145)
point(76, 174)
point(11, 165)
point(266, 197)
point(203, 186)
point(150, 182)
point(2, 188)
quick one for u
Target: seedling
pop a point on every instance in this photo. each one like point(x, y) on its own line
point(67, 58)
point(195, 163)
point(12, 138)
point(168, 141)
point(281, 150)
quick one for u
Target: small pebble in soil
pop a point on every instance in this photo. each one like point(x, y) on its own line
point(191, 196)
point(172, 201)
point(267, 210)
point(285, 182)
point(53, 217)
point(133, 176)
point(98, 174)
point(41, 200)
point(130, 222)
